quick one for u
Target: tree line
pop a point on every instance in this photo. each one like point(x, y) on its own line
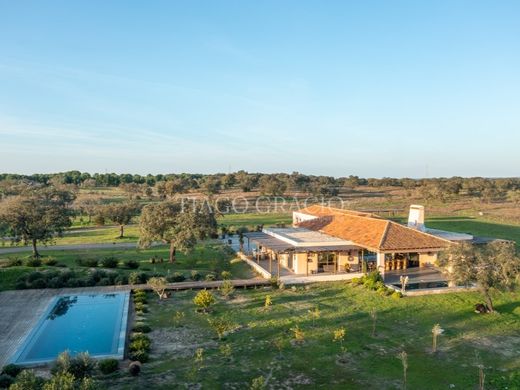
point(268, 184)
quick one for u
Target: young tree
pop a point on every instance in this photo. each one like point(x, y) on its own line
point(37, 216)
point(494, 266)
point(158, 285)
point(176, 223)
point(121, 213)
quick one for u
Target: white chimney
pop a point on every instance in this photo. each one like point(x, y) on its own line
point(416, 217)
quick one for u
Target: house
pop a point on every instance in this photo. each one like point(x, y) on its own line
point(331, 241)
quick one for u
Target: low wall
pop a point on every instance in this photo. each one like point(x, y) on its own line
point(296, 279)
point(256, 267)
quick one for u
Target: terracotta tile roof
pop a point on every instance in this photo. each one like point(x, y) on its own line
point(369, 231)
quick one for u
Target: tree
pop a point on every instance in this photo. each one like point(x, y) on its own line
point(176, 223)
point(37, 216)
point(494, 266)
point(159, 286)
point(121, 213)
point(272, 185)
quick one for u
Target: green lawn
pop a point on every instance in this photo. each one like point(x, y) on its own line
point(251, 220)
point(205, 258)
point(475, 226)
point(263, 344)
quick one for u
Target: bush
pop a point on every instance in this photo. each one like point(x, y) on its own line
point(204, 299)
point(397, 295)
point(33, 262)
point(227, 289)
point(176, 277)
point(82, 365)
point(137, 278)
point(87, 262)
point(226, 275)
point(121, 280)
point(109, 262)
point(6, 381)
point(210, 277)
point(108, 366)
point(141, 307)
point(196, 276)
point(140, 355)
point(141, 328)
point(132, 264)
point(11, 370)
point(134, 368)
point(139, 342)
point(357, 281)
point(14, 262)
point(49, 261)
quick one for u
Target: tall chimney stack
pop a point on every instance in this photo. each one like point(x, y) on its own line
point(416, 217)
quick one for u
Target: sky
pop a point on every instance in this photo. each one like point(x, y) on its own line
point(368, 88)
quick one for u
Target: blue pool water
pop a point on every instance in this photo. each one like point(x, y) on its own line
point(78, 323)
point(423, 285)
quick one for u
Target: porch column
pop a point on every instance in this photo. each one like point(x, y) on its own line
point(278, 268)
point(270, 264)
point(381, 263)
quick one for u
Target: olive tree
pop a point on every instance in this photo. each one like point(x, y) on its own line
point(36, 216)
point(492, 266)
point(176, 223)
point(121, 213)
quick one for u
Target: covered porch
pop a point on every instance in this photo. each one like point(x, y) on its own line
point(280, 258)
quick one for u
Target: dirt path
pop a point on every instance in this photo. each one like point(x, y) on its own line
point(121, 245)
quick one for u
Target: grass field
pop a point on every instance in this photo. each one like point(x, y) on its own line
point(262, 343)
point(205, 258)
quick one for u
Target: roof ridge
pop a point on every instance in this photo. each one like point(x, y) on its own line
point(383, 237)
point(420, 231)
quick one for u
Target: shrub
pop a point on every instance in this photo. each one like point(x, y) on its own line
point(6, 381)
point(140, 299)
point(139, 342)
point(86, 262)
point(137, 278)
point(132, 264)
point(397, 295)
point(176, 277)
point(82, 365)
point(210, 277)
point(11, 370)
point(226, 275)
point(142, 328)
point(14, 262)
point(204, 299)
point(39, 283)
point(134, 368)
point(33, 262)
point(140, 355)
point(109, 262)
point(141, 307)
point(121, 280)
point(139, 293)
point(108, 366)
point(357, 281)
point(227, 289)
point(49, 261)
point(196, 276)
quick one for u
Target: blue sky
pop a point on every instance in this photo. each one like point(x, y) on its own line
point(371, 88)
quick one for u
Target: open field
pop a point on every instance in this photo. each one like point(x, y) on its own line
point(205, 258)
point(262, 344)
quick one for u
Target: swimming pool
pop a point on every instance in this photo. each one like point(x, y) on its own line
point(423, 285)
point(93, 323)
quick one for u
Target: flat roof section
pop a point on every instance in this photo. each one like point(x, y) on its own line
point(280, 246)
point(301, 237)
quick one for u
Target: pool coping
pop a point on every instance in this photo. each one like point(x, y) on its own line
point(50, 306)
